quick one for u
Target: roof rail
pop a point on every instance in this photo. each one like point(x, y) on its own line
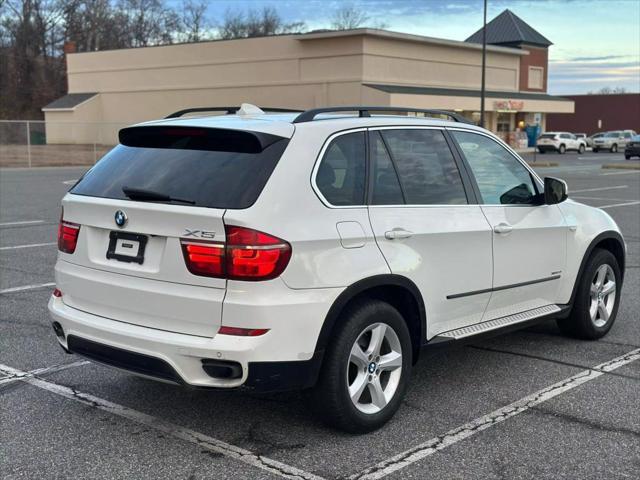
point(309, 115)
point(227, 110)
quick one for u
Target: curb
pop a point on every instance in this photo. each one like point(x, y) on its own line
point(623, 166)
point(543, 164)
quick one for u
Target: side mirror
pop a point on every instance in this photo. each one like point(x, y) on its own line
point(555, 190)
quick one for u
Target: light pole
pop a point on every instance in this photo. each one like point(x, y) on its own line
point(484, 62)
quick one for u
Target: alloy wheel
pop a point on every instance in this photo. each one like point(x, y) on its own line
point(374, 368)
point(602, 295)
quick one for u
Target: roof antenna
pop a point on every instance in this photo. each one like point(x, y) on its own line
point(249, 109)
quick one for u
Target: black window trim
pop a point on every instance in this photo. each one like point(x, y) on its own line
point(538, 183)
point(372, 133)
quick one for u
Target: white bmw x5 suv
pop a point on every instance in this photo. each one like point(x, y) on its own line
point(322, 249)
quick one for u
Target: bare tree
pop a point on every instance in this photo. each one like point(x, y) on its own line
point(255, 23)
point(348, 17)
point(149, 22)
point(608, 91)
point(194, 22)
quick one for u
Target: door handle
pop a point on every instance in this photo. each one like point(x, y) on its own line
point(502, 228)
point(397, 233)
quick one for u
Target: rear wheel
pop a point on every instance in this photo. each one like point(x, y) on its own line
point(366, 369)
point(627, 157)
point(594, 150)
point(562, 149)
point(614, 148)
point(597, 298)
point(541, 150)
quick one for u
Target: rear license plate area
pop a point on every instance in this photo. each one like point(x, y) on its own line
point(127, 247)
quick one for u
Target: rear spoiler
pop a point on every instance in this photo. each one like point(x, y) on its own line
point(196, 138)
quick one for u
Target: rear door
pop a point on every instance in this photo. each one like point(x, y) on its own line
point(139, 208)
point(529, 238)
point(427, 224)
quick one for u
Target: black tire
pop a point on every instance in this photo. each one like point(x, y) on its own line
point(579, 323)
point(594, 150)
point(627, 157)
point(562, 149)
point(581, 149)
point(330, 397)
point(614, 148)
point(542, 151)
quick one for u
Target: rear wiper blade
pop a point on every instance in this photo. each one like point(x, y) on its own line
point(145, 195)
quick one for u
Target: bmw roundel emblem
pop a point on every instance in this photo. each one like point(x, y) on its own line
point(121, 218)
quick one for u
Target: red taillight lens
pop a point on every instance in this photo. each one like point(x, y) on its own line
point(67, 236)
point(253, 255)
point(247, 255)
point(57, 293)
point(242, 332)
point(204, 259)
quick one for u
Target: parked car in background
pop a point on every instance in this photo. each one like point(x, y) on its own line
point(560, 142)
point(632, 149)
point(591, 138)
point(613, 141)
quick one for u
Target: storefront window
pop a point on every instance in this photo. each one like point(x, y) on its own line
point(504, 122)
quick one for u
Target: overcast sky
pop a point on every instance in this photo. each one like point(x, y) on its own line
point(596, 42)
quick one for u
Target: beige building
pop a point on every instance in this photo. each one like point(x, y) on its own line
point(353, 67)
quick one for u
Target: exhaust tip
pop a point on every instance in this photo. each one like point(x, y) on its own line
point(58, 329)
point(222, 369)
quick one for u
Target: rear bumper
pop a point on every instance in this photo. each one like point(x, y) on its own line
point(282, 359)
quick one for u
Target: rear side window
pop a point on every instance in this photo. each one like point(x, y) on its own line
point(340, 176)
point(216, 171)
point(426, 167)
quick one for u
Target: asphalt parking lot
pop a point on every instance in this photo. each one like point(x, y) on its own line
point(527, 404)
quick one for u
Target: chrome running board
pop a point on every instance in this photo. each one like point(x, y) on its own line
point(497, 323)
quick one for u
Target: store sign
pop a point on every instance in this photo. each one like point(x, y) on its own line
point(508, 105)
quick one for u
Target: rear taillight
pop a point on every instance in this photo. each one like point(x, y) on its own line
point(242, 332)
point(247, 255)
point(67, 235)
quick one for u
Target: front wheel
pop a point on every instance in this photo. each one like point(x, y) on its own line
point(562, 149)
point(581, 149)
point(627, 157)
point(614, 148)
point(597, 299)
point(595, 150)
point(366, 369)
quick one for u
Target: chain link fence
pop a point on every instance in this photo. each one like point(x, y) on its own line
point(36, 143)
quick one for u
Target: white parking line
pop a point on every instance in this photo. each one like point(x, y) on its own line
point(70, 182)
point(31, 245)
point(14, 377)
point(27, 287)
point(619, 204)
point(25, 222)
point(617, 187)
point(620, 173)
point(176, 431)
point(463, 432)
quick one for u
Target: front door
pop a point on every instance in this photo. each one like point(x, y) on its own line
point(425, 226)
point(529, 238)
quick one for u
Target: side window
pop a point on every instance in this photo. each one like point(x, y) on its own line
point(340, 177)
point(428, 172)
point(386, 187)
point(501, 178)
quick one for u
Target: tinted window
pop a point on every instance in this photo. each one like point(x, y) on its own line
point(428, 173)
point(501, 178)
point(216, 179)
point(548, 135)
point(340, 176)
point(386, 187)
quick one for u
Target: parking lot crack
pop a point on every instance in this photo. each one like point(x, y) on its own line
point(585, 422)
point(553, 360)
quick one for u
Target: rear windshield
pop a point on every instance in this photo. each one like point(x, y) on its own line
point(548, 135)
point(232, 178)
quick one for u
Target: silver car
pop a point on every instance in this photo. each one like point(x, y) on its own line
point(614, 140)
